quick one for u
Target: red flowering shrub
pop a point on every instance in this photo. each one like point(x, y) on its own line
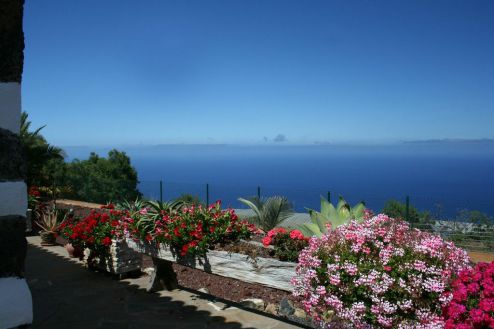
point(287, 245)
point(192, 230)
point(94, 232)
point(472, 304)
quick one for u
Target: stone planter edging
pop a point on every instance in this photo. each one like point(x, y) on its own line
point(265, 271)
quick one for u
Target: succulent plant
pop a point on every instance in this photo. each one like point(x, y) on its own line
point(329, 214)
point(159, 208)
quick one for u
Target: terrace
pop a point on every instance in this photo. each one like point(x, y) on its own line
point(187, 297)
point(66, 295)
point(140, 263)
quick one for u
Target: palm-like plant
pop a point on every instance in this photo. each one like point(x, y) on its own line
point(334, 216)
point(38, 152)
point(269, 212)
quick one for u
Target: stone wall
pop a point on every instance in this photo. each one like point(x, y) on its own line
point(15, 297)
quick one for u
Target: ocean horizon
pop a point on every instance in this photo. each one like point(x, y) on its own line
point(442, 177)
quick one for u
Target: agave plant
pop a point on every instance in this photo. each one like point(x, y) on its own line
point(131, 206)
point(49, 222)
point(269, 212)
point(159, 208)
point(334, 216)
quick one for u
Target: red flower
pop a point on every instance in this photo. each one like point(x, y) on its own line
point(296, 235)
point(33, 191)
point(184, 250)
point(106, 241)
point(266, 240)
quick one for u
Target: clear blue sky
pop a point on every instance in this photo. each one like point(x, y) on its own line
point(130, 72)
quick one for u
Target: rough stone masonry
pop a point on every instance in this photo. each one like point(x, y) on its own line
point(15, 297)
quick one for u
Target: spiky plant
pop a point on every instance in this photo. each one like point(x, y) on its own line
point(269, 212)
point(329, 214)
point(49, 220)
point(165, 207)
point(131, 206)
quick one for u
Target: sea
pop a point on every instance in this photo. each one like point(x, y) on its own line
point(443, 177)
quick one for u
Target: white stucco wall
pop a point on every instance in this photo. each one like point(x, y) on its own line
point(16, 306)
point(13, 198)
point(10, 106)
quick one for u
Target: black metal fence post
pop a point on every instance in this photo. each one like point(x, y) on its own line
point(207, 194)
point(329, 196)
point(161, 191)
point(407, 209)
point(259, 192)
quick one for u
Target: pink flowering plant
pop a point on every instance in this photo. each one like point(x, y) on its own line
point(378, 273)
point(287, 244)
point(472, 304)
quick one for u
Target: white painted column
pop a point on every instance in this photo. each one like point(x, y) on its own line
point(16, 307)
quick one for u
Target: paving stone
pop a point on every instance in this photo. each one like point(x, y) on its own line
point(79, 298)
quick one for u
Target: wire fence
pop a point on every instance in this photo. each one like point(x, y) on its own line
point(439, 207)
point(470, 236)
point(443, 213)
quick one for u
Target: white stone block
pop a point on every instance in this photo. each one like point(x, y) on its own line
point(10, 106)
point(16, 304)
point(13, 198)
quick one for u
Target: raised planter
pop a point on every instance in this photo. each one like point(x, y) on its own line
point(265, 271)
point(120, 259)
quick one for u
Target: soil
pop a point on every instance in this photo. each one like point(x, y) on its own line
point(478, 256)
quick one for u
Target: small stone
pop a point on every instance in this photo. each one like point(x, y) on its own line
point(328, 315)
point(271, 309)
point(148, 270)
point(254, 303)
point(286, 307)
point(299, 313)
point(204, 290)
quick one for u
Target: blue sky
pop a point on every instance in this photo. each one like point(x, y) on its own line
point(150, 72)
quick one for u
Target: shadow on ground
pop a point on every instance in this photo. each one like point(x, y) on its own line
point(66, 295)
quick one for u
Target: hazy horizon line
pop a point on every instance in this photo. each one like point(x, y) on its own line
point(437, 141)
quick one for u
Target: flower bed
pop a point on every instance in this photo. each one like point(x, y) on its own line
point(190, 231)
point(472, 304)
point(378, 274)
point(99, 235)
point(188, 236)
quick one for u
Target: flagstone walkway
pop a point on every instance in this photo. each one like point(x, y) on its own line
point(68, 296)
